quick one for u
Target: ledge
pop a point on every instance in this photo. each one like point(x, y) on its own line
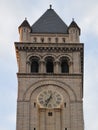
point(45, 75)
point(45, 47)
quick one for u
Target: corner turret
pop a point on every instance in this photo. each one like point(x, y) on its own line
point(74, 32)
point(24, 31)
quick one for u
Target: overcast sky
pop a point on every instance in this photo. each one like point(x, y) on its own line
point(12, 14)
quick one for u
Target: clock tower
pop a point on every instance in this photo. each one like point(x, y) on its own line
point(50, 75)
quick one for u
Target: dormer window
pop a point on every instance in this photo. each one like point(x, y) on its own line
point(63, 39)
point(42, 40)
point(56, 40)
point(49, 39)
point(35, 39)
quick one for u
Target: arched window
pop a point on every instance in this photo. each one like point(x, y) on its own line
point(34, 66)
point(49, 66)
point(64, 66)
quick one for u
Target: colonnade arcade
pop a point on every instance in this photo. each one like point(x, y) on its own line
point(49, 64)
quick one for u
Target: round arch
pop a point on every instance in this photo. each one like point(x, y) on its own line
point(64, 55)
point(32, 61)
point(33, 55)
point(65, 65)
point(49, 55)
point(38, 84)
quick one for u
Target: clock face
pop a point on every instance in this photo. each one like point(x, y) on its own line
point(49, 99)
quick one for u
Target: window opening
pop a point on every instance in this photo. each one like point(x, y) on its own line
point(49, 66)
point(34, 66)
point(34, 104)
point(56, 40)
point(64, 67)
point(49, 39)
point(65, 104)
point(42, 40)
point(63, 39)
point(24, 29)
point(35, 39)
point(49, 113)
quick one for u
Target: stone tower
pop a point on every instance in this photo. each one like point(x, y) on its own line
point(50, 75)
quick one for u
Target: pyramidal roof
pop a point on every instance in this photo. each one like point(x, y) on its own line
point(25, 24)
point(49, 22)
point(74, 24)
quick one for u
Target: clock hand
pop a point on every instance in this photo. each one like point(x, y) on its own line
point(47, 101)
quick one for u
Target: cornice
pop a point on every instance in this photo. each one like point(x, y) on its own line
point(47, 47)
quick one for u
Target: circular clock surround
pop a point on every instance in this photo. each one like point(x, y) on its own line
point(49, 99)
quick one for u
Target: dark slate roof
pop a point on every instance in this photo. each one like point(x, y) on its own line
point(74, 24)
point(49, 22)
point(25, 24)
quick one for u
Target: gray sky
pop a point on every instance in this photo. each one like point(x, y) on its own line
point(12, 14)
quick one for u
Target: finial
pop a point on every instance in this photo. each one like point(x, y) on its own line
point(50, 6)
point(72, 19)
point(25, 18)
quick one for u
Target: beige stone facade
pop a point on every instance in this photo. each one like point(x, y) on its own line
point(26, 36)
point(56, 48)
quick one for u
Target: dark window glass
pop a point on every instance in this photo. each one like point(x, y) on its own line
point(35, 39)
point(63, 39)
point(49, 39)
point(34, 104)
point(42, 40)
point(49, 113)
point(64, 67)
point(56, 40)
point(34, 66)
point(65, 104)
point(49, 66)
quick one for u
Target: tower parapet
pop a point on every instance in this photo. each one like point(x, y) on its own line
point(24, 31)
point(74, 32)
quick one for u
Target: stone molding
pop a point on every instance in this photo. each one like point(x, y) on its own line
point(53, 47)
point(42, 83)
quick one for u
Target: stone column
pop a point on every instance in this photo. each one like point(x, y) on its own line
point(57, 67)
point(70, 67)
point(28, 67)
point(42, 66)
